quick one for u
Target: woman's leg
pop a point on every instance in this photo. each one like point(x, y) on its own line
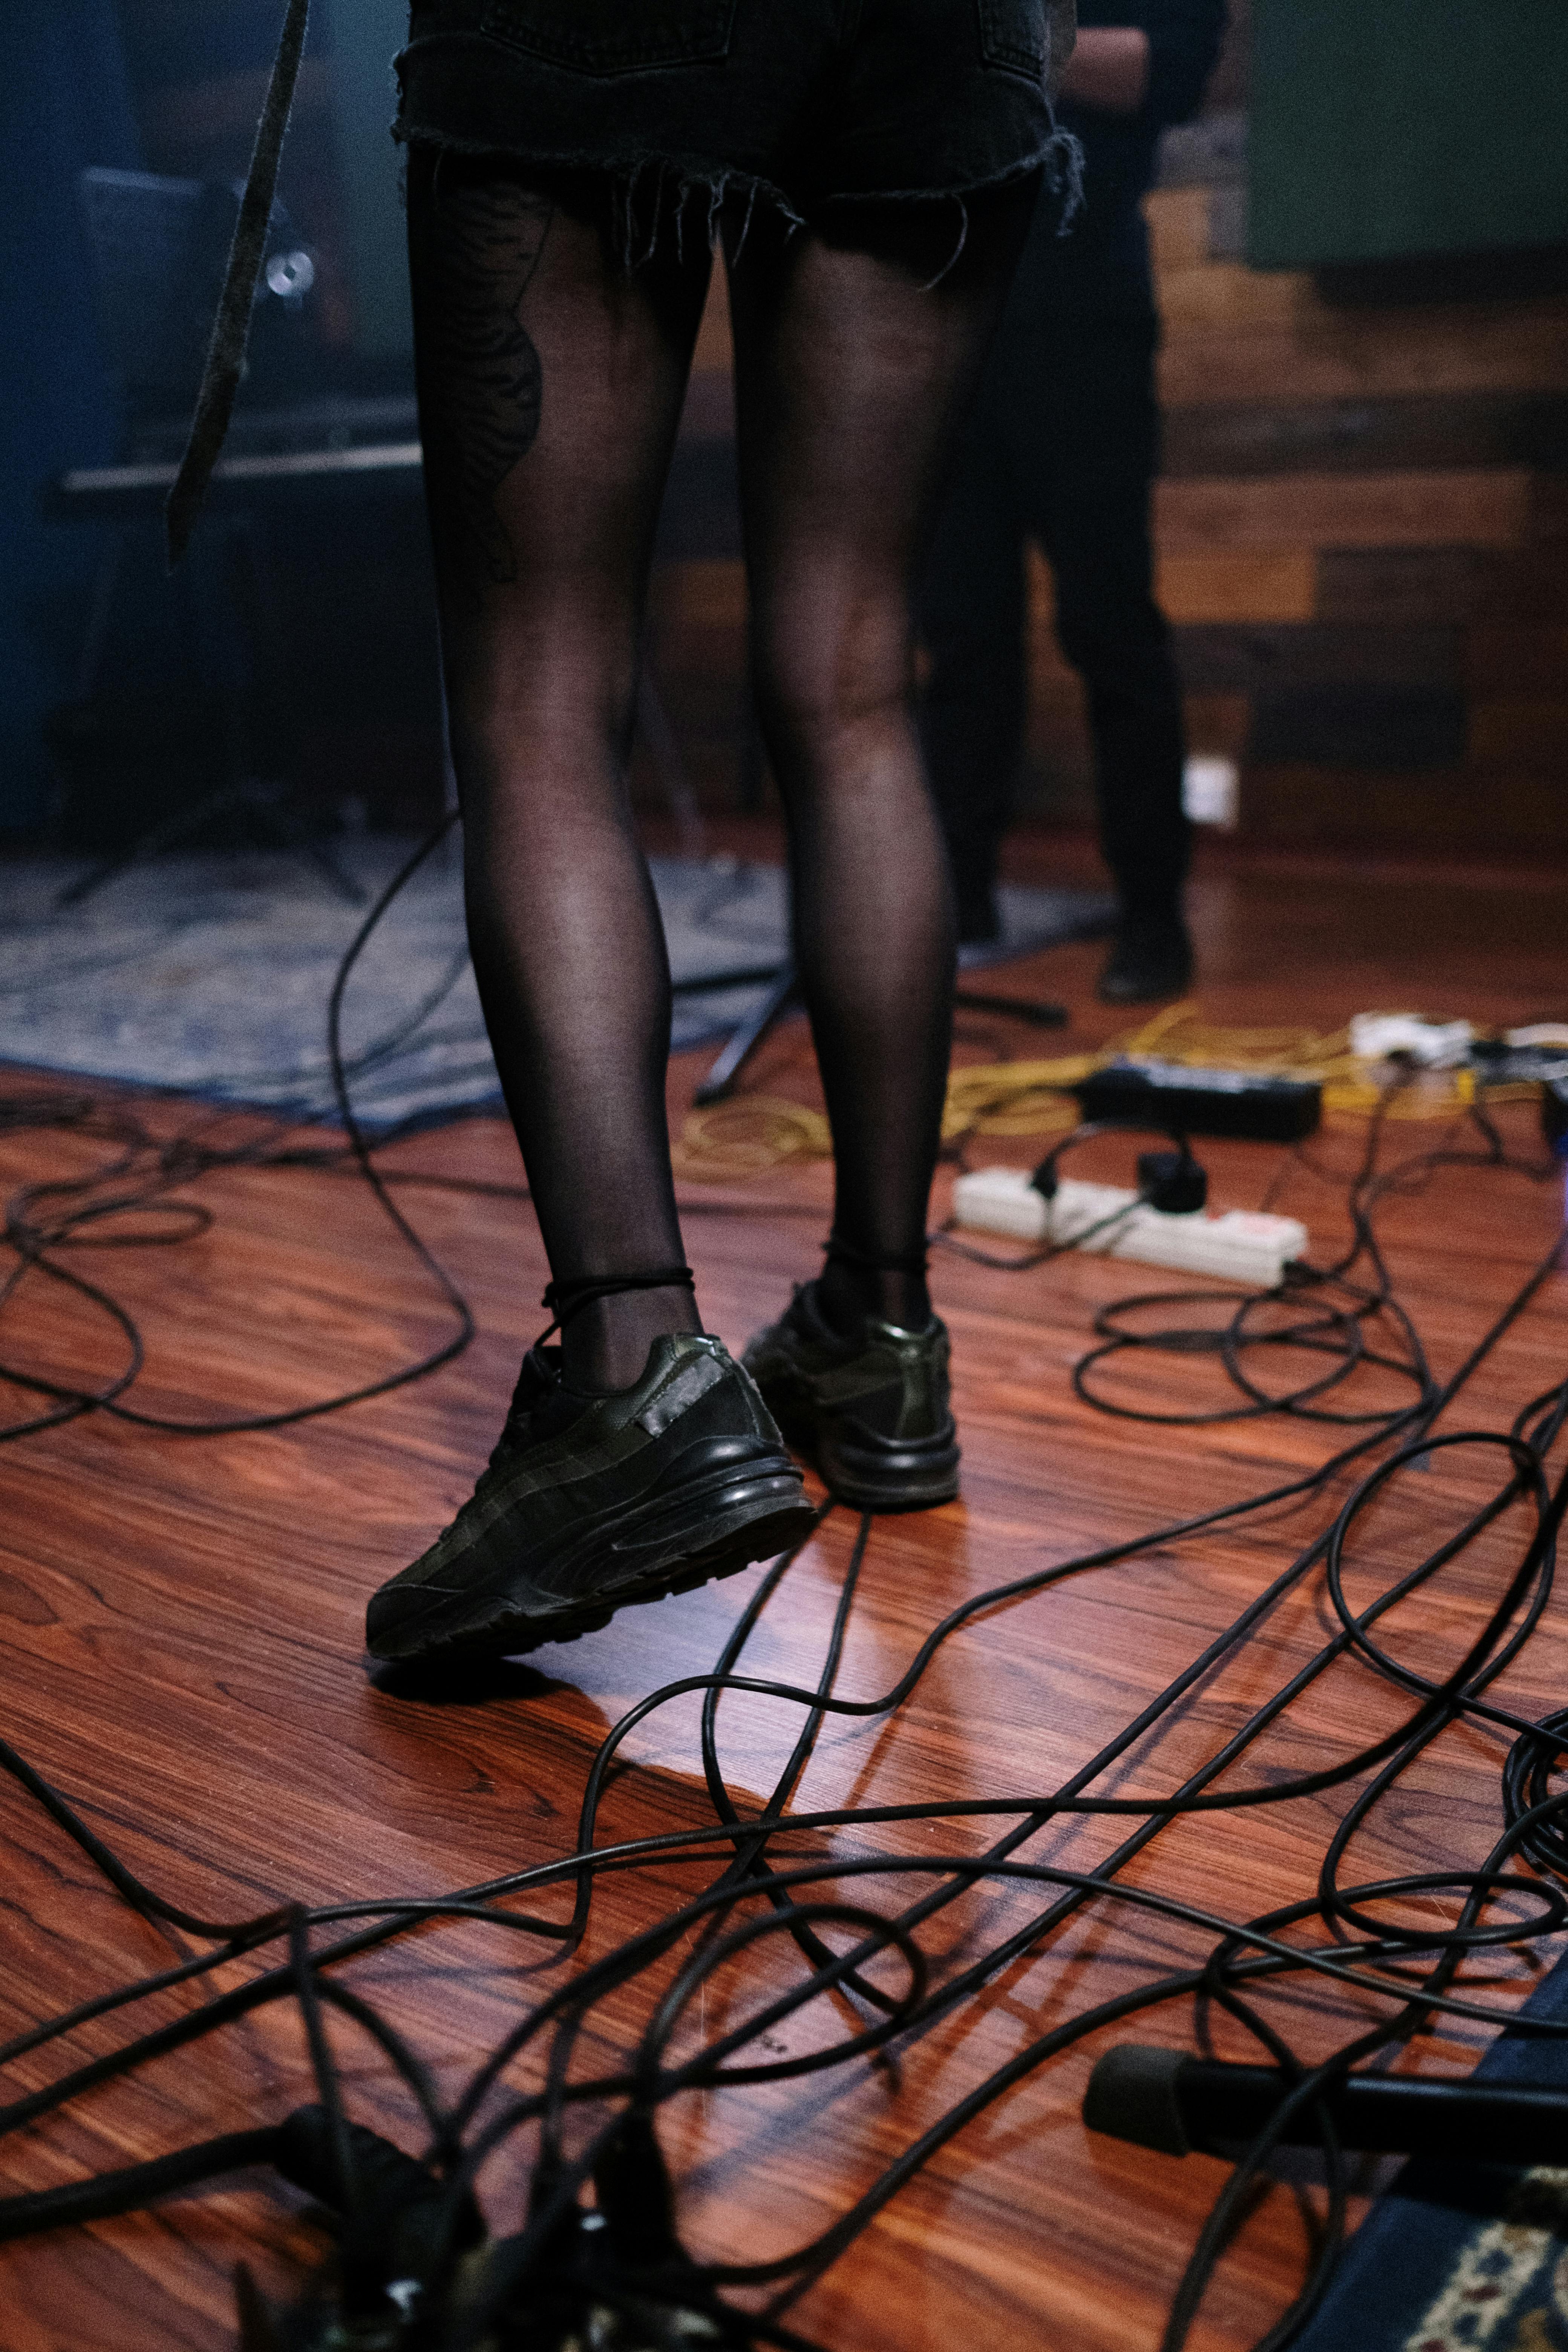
point(550, 386)
point(853, 368)
point(551, 380)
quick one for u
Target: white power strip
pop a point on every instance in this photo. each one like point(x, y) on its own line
point(1239, 1245)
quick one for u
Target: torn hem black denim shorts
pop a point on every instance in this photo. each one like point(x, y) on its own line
point(805, 102)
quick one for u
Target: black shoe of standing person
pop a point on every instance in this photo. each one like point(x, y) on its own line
point(594, 1503)
point(1150, 957)
point(871, 1413)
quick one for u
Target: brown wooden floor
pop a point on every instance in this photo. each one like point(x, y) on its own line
point(180, 1623)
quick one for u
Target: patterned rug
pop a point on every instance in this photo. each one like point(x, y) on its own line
point(1464, 2258)
point(210, 974)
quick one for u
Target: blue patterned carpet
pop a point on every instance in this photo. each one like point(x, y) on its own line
point(210, 974)
point(1464, 2258)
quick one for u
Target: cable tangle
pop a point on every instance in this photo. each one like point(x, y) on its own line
point(413, 2264)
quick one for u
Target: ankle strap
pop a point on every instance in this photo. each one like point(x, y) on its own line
point(564, 1300)
point(911, 1262)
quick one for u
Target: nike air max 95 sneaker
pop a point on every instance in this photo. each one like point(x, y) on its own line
point(593, 1502)
point(871, 1413)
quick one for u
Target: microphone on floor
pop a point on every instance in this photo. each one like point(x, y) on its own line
point(1180, 2105)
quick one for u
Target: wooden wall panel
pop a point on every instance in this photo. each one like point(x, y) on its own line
point(1422, 354)
point(1508, 811)
point(1218, 723)
point(1400, 587)
point(1422, 695)
point(1355, 436)
point(1513, 660)
point(1227, 296)
point(1523, 732)
point(1350, 484)
point(1471, 507)
point(1356, 725)
point(1273, 585)
point(1259, 660)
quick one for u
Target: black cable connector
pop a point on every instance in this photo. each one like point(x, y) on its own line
point(1172, 1182)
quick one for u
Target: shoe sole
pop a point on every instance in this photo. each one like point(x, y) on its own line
point(712, 1529)
point(883, 1478)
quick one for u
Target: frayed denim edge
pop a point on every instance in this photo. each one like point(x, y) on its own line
point(630, 177)
point(1062, 158)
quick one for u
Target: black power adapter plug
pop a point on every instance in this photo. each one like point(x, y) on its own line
point(631, 2182)
point(1172, 1182)
point(1168, 1181)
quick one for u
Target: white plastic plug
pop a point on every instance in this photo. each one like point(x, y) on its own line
point(1434, 1044)
point(1211, 792)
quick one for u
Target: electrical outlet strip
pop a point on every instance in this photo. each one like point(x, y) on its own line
point(1431, 1045)
point(1238, 1246)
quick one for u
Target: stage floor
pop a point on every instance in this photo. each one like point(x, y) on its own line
point(180, 1624)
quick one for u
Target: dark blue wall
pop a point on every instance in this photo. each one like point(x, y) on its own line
point(64, 103)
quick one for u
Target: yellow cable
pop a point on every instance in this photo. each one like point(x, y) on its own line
point(754, 1132)
point(1018, 1099)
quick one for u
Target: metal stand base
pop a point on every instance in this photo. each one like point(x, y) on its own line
point(724, 1075)
point(262, 802)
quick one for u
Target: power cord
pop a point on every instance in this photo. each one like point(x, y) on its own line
point(413, 2267)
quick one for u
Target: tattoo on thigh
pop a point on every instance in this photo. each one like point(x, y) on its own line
point(485, 383)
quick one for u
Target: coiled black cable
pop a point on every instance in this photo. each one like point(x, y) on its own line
point(776, 1874)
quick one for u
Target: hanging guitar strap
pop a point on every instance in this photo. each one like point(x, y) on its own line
point(231, 327)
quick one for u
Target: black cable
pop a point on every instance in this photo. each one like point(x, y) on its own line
point(1413, 1970)
point(145, 1170)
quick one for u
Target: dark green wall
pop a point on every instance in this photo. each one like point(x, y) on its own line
point(365, 35)
point(1387, 128)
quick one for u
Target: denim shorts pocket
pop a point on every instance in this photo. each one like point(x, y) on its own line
point(1014, 37)
point(614, 37)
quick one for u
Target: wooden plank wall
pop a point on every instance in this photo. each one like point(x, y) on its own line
point(1362, 528)
point(1362, 532)
point(1362, 535)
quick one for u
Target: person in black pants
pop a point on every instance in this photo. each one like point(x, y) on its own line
point(1062, 447)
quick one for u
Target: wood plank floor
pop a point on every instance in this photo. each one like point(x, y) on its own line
point(180, 1639)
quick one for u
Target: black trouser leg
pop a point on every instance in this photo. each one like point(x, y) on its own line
point(972, 618)
point(1112, 631)
point(1063, 447)
point(1089, 491)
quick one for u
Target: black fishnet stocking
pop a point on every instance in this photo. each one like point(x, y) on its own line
point(550, 381)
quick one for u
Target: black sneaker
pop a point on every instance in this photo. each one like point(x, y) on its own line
point(1151, 957)
point(871, 1413)
point(593, 1502)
